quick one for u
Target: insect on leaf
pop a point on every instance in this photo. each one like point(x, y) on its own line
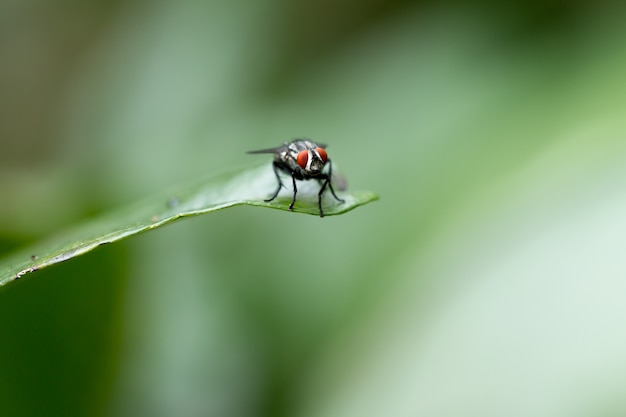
point(248, 187)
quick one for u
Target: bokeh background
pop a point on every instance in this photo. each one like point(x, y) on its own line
point(489, 280)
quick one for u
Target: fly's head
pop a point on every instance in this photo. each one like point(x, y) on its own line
point(301, 158)
point(312, 161)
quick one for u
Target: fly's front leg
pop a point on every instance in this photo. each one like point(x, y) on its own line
point(319, 195)
point(330, 184)
point(295, 191)
point(280, 183)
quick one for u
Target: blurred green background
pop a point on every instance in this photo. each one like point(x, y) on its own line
point(489, 280)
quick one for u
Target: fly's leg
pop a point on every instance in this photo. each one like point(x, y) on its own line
point(295, 191)
point(280, 184)
point(327, 182)
point(319, 195)
point(330, 184)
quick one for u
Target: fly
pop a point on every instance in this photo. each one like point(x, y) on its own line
point(303, 160)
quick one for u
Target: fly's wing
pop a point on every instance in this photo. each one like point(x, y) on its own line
point(275, 150)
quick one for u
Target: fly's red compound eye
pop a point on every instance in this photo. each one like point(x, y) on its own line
point(303, 158)
point(322, 153)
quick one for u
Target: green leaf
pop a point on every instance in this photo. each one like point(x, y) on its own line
point(249, 187)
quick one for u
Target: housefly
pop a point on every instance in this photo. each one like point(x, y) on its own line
point(303, 160)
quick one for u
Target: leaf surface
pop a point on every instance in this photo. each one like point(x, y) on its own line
point(249, 187)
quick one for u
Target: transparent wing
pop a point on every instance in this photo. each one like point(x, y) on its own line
point(276, 150)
